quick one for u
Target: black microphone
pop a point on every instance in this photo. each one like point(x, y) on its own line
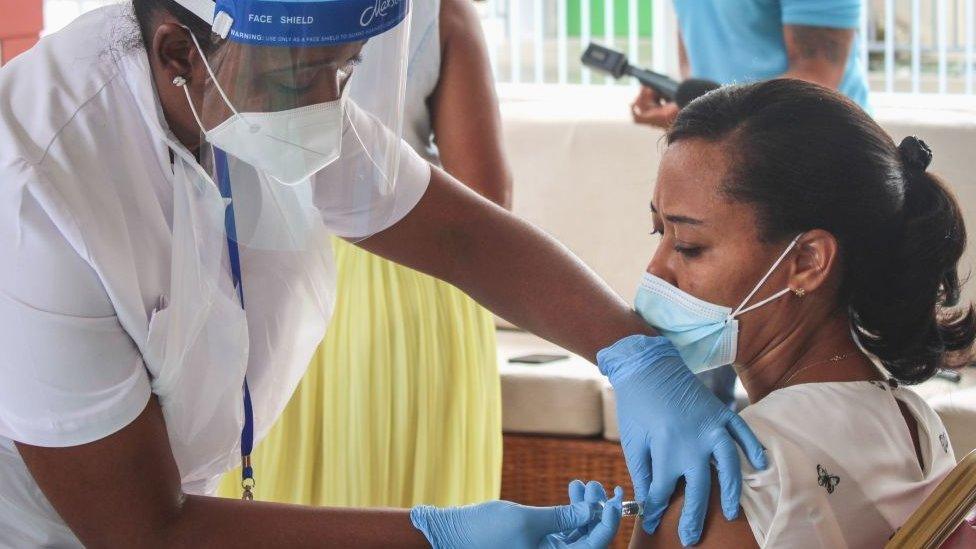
point(692, 89)
point(614, 63)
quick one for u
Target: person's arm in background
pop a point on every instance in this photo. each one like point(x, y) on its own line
point(464, 108)
point(649, 108)
point(817, 54)
point(819, 35)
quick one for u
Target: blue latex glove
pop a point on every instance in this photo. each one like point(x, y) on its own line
point(580, 525)
point(593, 494)
point(671, 426)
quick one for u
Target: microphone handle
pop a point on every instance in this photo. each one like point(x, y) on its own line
point(665, 86)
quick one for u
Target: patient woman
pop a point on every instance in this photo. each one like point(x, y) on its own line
point(801, 245)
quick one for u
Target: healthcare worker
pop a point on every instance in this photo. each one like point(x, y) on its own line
point(165, 216)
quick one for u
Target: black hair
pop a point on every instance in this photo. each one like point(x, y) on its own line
point(808, 158)
point(146, 12)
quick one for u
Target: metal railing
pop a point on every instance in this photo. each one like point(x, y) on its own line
point(910, 46)
point(540, 41)
point(930, 46)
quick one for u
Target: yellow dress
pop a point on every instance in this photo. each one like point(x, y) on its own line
point(401, 404)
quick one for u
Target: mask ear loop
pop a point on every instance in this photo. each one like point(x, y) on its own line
point(742, 309)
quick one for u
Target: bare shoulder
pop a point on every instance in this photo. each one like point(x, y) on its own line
point(718, 531)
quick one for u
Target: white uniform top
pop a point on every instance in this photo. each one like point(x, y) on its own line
point(844, 471)
point(91, 204)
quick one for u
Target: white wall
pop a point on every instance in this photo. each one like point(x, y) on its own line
point(58, 13)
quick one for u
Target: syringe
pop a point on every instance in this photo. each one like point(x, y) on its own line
point(632, 509)
point(628, 508)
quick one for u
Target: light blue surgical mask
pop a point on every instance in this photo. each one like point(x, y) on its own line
point(705, 334)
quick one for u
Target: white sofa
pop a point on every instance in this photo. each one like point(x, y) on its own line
point(584, 173)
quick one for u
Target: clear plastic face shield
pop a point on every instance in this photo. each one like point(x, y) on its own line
point(286, 143)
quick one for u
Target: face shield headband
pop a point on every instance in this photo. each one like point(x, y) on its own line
point(307, 23)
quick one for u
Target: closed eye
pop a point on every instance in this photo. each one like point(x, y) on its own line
point(689, 252)
point(294, 90)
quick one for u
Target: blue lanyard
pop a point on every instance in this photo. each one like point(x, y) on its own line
point(247, 433)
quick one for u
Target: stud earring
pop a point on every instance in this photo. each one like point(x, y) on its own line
point(179, 81)
point(799, 292)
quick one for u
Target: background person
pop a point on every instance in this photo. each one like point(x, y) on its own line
point(740, 41)
point(401, 404)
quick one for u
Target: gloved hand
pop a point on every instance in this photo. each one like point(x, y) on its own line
point(670, 427)
point(600, 534)
point(580, 525)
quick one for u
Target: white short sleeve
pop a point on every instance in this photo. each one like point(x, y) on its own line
point(835, 14)
point(347, 193)
point(843, 470)
point(69, 373)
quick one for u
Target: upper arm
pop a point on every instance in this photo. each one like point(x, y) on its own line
point(464, 108)
point(431, 237)
point(120, 491)
point(818, 54)
point(818, 36)
point(718, 532)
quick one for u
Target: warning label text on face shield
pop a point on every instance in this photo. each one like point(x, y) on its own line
point(311, 23)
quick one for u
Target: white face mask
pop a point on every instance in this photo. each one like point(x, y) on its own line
point(289, 146)
point(705, 334)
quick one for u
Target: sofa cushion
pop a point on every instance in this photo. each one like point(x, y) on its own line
point(557, 398)
point(958, 413)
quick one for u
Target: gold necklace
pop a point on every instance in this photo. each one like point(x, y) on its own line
point(835, 358)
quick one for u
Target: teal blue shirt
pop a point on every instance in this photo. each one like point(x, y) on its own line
point(737, 41)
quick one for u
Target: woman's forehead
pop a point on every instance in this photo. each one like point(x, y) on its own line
point(691, 184)
point(690, 176)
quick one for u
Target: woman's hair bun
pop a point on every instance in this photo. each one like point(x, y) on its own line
point(915, 154)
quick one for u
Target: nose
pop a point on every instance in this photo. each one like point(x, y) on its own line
point(329, 90)
point(659, 265)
